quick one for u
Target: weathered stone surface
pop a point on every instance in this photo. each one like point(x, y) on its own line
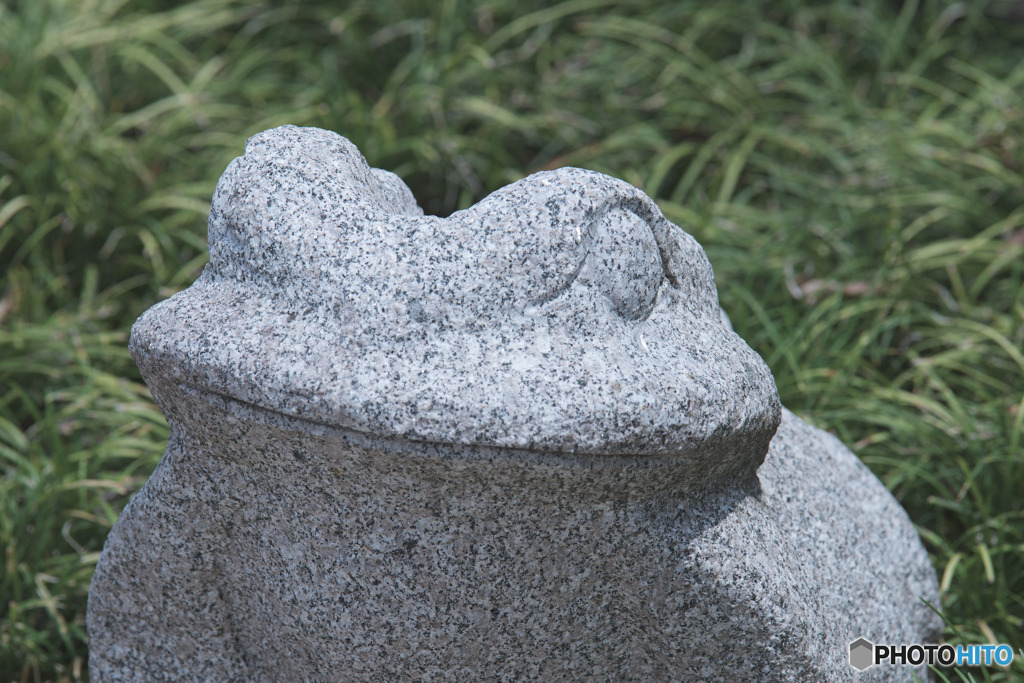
point(519, 442)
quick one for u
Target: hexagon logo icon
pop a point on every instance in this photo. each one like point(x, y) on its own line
point(862, 654)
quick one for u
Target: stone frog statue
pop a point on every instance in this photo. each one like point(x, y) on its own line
point(516, 442)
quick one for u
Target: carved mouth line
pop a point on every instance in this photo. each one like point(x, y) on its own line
point(351, 434)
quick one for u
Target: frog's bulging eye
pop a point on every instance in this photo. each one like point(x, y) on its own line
point(625, 262)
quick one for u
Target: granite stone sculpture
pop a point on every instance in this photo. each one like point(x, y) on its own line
point(516, 443)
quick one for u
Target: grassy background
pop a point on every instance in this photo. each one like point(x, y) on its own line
point(854, 171)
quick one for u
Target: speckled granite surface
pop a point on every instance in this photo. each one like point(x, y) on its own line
point(517, 443)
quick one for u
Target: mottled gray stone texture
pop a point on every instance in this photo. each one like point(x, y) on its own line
point(518, 443)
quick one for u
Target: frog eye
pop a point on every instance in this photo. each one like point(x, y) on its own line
point(624, 262)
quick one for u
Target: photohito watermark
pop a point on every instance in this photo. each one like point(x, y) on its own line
point(864, 654)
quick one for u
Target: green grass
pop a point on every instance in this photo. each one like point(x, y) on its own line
point(855, 172)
